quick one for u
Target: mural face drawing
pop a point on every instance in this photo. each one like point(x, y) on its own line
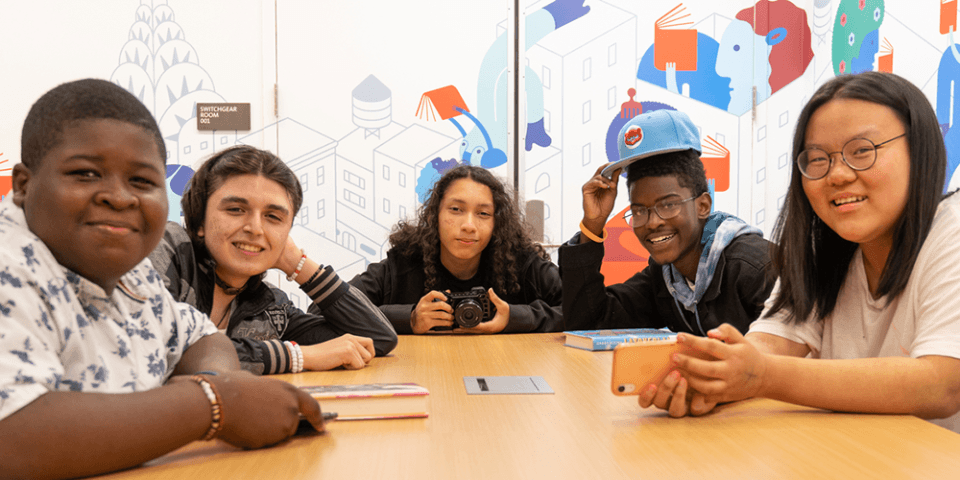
point(704, 83)
point(784, 28)
point(854, 29)
point(742, 52)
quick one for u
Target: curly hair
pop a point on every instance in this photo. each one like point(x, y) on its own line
point(233, 161)
point(87, 99)
point(509, 241)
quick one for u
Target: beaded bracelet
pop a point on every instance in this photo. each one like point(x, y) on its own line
point(296, 357)
point(216, 422)
point(591, 236)
point(296, 271)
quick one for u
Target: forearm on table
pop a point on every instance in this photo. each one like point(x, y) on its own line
point(74, 434)
point(214, 352)
point(928, 387)
point(353, 313)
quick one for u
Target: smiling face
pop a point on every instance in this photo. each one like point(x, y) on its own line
point(246, 226)
point(861, 206)
point(97, 199)
point(675, 240)
point(466, 225)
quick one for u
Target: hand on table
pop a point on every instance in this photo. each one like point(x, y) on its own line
point(261, 411)
point(349, 351)
point(675, 395)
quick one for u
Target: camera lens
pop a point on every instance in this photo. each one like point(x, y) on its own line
point(468, 313)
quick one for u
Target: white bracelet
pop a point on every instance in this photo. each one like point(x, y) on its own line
point(299, 357)
point(296, 271)
point(296, 356)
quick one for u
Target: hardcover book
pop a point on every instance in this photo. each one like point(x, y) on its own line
point(673, 44)
point(372, 400)
point(595, 340)
point(440, 104)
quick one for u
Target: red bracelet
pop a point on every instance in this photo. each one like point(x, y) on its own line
point(296, 272)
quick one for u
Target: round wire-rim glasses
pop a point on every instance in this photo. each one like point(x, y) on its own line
point(859, 154)
point(666, 209)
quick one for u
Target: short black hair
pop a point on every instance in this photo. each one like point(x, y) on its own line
point(685, 165)
point(87, 99)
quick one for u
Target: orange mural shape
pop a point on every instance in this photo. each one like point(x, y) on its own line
point(948, 16)
point(674, 45)
point(6, 181)
point(885, 60)
point(441, 103)
point(623, 255)
point(716, 163)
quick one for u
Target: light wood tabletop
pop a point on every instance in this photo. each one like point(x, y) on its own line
point(580, 431)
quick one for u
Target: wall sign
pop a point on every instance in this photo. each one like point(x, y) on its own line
point(223, 116)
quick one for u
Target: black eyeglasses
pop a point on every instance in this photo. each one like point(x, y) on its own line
point(859, 154)
point(638, 215)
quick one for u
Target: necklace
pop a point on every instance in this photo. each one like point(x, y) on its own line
point(221, 324)
point(232, 291)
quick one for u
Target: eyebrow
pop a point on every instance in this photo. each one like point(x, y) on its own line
point(244, 201)
point(482, 205)
point(872, 130)
point(100, 159)
point(632, 204)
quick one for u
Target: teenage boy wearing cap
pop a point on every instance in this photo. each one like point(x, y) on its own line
point(705, 269)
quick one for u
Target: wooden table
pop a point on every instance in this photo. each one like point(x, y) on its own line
point(581, 431)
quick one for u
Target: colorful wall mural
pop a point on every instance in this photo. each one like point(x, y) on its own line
point(336, 89)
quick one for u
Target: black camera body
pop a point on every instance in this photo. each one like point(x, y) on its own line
point(471, 307)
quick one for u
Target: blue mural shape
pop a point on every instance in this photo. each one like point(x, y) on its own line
point(706, 85)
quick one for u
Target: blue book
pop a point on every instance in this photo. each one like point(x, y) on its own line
point(595, 340)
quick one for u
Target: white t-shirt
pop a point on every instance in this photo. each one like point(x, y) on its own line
point(61, 332)
point(923, 320)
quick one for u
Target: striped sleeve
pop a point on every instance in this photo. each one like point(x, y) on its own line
point(325, 288)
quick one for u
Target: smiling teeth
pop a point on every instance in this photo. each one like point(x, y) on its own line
point(661, 239)
point(248, 248)
point(844, 201)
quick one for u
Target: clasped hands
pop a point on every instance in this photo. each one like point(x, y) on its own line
point(733, 371)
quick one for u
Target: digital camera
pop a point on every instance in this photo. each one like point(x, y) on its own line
point(471, 307)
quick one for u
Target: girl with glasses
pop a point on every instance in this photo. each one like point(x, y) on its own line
point(866, 316)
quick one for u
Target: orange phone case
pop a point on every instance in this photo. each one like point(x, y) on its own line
point(636, 365)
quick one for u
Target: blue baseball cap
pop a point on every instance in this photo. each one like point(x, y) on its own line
point(653, 133)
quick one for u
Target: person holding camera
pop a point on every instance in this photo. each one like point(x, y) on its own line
point(468, 265)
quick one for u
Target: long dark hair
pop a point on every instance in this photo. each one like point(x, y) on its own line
point(811, 259)
point(239, 160)
point(510, 238)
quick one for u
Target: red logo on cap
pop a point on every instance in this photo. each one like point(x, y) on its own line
point(633, 136)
